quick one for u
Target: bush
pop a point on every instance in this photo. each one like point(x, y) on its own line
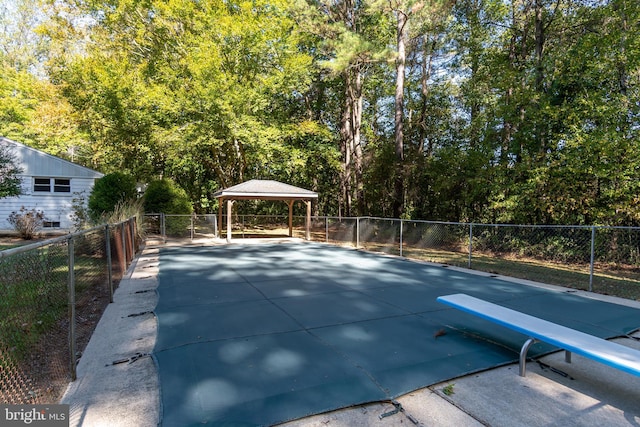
point(26, 222)
point(80, 216)
point(109, 191)
point(165, 196)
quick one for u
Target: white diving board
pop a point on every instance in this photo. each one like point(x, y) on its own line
point(610, 353)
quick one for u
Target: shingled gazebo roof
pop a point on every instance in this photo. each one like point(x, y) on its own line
point(260, 189)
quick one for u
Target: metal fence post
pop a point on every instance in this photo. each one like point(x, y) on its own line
point(357, 232)
point(163, 231)
point(132, 237)
point(401, 224)
point(470, 244)
point(191, 229)
point(107, 240)
point(129, 241)
point(326, 229)
point(593, 257)
point(123, 237)
point(71, 284)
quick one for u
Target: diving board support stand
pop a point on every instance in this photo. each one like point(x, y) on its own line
point(523, 356)
point(522, 362)
point(570, 340)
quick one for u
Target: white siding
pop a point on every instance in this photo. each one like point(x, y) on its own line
point(57, 207)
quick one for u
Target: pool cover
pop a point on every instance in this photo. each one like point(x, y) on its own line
point(263, 334)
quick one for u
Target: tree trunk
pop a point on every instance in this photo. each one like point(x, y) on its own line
point(346, 144)
point(429, 48)
point(357, 143)
point(398, 200)
point(540, 126)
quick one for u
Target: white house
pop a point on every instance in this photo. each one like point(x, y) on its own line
point(49, 184)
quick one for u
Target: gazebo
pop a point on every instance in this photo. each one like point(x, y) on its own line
point(258, 189)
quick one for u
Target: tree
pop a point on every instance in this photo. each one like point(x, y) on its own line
point(32, 109)
point(509, 111)
point(352, 41)
point(9, 173)
point(202, 92)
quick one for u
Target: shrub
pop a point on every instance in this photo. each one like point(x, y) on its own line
point(80, 216)
point(26, 222)
point(165, 196)
point(109, 191)
point(124, 211)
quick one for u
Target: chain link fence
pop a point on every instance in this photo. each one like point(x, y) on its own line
point(52, 295)
point(605, 260)
point(164, 226)
point(600, 259)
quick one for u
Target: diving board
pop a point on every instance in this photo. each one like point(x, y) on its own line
point(572, 341)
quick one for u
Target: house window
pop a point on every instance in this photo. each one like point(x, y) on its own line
point(46, 185)
point(51, 224)
point(42, 185)
point(61, 185)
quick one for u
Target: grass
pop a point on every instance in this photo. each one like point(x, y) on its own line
point(607, 280)
point(34, 293)
point(12, 243)
point(33, 297)
point(34, 312)
point(448, 390)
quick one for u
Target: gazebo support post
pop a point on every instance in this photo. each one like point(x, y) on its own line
point(229, 208)
point(290, 204)
point(220, 203)
point(307, 225)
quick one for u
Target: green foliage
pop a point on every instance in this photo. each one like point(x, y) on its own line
point(448, 389)
point(110, 191)
point(199, 93)
point(514, 111)
point(9, 171)
point(165, 196)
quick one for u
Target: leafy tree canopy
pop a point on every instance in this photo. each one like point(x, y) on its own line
point(509, 111)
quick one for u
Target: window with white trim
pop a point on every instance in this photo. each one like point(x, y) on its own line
point(52, 185)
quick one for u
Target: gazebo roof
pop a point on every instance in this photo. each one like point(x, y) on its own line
point(265, 190)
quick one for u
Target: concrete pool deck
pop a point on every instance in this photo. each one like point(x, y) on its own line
point(127, 393)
